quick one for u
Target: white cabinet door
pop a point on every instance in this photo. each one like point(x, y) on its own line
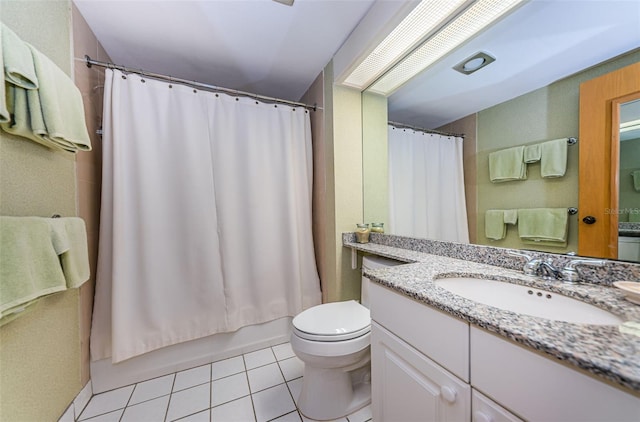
point(486, 410)
point(407, 386)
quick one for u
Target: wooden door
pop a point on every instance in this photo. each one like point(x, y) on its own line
point(598, 143)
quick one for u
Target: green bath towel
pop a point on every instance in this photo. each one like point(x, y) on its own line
point(18, 62)
point(634, 215)
point(543, 226)
point(507, 164)
point(30, 267)
point(494, 227)
point(553, 158)
point(39, 256)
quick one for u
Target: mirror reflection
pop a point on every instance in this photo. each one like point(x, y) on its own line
point(514, 119)
point(629, 182)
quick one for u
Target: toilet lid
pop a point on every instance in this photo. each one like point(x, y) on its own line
point(334, 321)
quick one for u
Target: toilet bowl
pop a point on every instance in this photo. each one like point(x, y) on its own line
point(333, 341)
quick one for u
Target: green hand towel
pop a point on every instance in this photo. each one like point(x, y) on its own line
point(532, 153)
point(29, 265)
point(4, 111)
point(543, 226)
point(634, 215)
point(18, 61)
point(636, 180)
point(61, 106)
point(553, 158)
point(494, 227)
point(75, 258)
point(510, 216)
point(507, 164)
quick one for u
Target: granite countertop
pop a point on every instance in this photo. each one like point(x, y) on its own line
point(603, 350)
point(629, 229)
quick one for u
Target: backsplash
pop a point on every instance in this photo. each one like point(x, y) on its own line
point(613, 271)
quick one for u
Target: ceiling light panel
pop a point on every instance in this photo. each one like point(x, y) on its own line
point(476, 18)
point(422, 20)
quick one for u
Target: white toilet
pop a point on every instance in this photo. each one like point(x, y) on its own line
point(333, 341)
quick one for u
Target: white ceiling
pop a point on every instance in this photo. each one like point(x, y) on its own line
point(540, 43)
point(271, 49)
point(258, 46)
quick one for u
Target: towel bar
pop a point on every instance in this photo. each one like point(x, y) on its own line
point(572, 210)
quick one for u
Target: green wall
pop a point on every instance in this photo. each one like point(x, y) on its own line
point(374, 157)
point(39, 351)
point(548, 113)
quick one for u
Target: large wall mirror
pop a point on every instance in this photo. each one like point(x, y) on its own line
point(521, 99)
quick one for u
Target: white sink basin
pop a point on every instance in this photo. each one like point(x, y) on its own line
point(527, 300)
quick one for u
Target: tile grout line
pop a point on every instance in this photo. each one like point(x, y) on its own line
point(246, 374)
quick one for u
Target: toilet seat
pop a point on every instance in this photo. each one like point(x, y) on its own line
point(331, 322)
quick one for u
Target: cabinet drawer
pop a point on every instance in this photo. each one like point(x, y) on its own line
point(441, 337)
point(540, 389)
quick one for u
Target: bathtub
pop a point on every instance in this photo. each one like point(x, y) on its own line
point(107, 376)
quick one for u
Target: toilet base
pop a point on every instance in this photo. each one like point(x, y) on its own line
point(329, 394)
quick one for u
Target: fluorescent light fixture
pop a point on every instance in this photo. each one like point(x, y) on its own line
point(465, 26)
point(419, 23)
point(628, 126)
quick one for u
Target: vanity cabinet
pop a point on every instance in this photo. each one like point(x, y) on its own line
point(411, 387)
point(429, 366)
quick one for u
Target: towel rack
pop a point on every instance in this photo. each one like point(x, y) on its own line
point(572, 141)
point(572, 210)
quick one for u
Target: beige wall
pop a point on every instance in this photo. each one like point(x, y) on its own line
point(337, 205)
point(322, 204)
point(547, 113)
point(90, 81)
point(39, 351)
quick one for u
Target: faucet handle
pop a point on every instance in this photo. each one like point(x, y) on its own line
point(570, 272)
point(531, 267)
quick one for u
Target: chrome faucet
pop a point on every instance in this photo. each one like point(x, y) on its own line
point(538, 267)
point(570, 273)
point(547, 271)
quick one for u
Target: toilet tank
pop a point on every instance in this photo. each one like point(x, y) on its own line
point(372, 262)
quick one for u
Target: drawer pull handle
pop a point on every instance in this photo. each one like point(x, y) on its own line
point(448, 394)
point(481, 417)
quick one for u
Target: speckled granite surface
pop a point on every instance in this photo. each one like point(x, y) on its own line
point(629, 229)
point(602, 350)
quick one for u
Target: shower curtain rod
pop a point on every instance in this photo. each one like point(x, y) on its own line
point(419, 129)
point(91, 62)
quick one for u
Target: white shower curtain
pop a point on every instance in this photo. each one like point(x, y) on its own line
point(206, 216)
point(426, 186)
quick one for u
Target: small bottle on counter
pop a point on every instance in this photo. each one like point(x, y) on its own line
point(377, 227)
point(362, 233)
